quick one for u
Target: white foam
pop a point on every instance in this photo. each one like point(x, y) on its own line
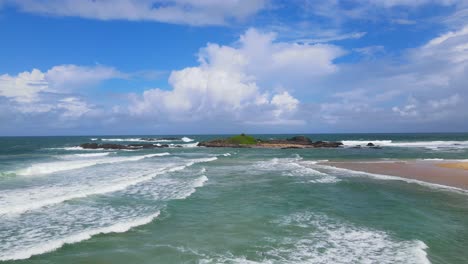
point(227, 154)
point(296, 167)
point(413, 144)
point(200, 181)
point(191, 145)
point(89, 155)
point(34, 199)
point(349, 172)
point(205, 159)
point(325, 240)
point(75, 148)
point(51, 245)
point(20, 201)
point(51, 167)
point(124, 139)
point(186, 139)
point(94, 139)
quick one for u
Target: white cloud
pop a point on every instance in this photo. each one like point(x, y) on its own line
point(24, 87)
point(73, 107)
point(192, 12)
point(37, 93)
point(71, 76)
point(433, 78)
point(332, 36)
point(413, 3)
point(230, 81)
point(284, 103)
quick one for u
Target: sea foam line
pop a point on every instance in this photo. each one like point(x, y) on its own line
point(51, 167)
point(397, 178)
point(19, 208)
point(414, 144)
point(75, 238)
point(328, 240)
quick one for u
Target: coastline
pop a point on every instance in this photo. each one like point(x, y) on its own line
point(448, 173)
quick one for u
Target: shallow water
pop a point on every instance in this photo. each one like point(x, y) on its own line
point(61, 204)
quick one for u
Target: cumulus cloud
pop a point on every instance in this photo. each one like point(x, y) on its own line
point(51, 96)
point(192, 12)
point(232, 81)
point(26, 87)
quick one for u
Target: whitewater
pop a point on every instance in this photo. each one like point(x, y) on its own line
point(63, 204)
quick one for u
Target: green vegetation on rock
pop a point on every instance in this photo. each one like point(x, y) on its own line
point(242, 139)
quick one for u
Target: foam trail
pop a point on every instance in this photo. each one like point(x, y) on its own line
point(33, 199)
point(51, 167)
point(413, 144)
point(184, 139)
point(49, 246)
point(327, 240)
point(89, 155)
point(18, 208)
point(395, 178)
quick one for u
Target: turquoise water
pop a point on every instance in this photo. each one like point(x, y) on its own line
point(62, 204)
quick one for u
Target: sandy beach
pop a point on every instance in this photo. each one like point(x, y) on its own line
point(448, 173)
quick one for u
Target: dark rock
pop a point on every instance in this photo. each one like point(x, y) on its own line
point(90, 145)
point(112, 146)
point(300, 139)
point(327, 144)
point(292, 147)
point(370, 144)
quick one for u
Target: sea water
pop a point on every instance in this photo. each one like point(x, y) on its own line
point(63, 204)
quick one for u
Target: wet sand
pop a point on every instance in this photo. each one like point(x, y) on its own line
point(455, 165)
point(447, 173)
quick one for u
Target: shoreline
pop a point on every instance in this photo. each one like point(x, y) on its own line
point(449, 173)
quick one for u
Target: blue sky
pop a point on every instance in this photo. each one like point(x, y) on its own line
point(77, 67)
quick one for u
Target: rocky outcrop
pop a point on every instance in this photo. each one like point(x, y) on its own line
point(221, 143)
point(370, 144)
point(295, 142)
point(300, 140)
point(327, 144)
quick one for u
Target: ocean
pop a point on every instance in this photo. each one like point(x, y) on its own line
point(63, 204)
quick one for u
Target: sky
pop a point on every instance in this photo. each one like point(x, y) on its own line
point(102, 67)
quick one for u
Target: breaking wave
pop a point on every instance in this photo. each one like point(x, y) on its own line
point(51, 167)
point(411, 144)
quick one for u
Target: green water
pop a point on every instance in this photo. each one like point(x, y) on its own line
point(226, 205)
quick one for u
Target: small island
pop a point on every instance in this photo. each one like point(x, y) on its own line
point(245, 141)
point(239, 141)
